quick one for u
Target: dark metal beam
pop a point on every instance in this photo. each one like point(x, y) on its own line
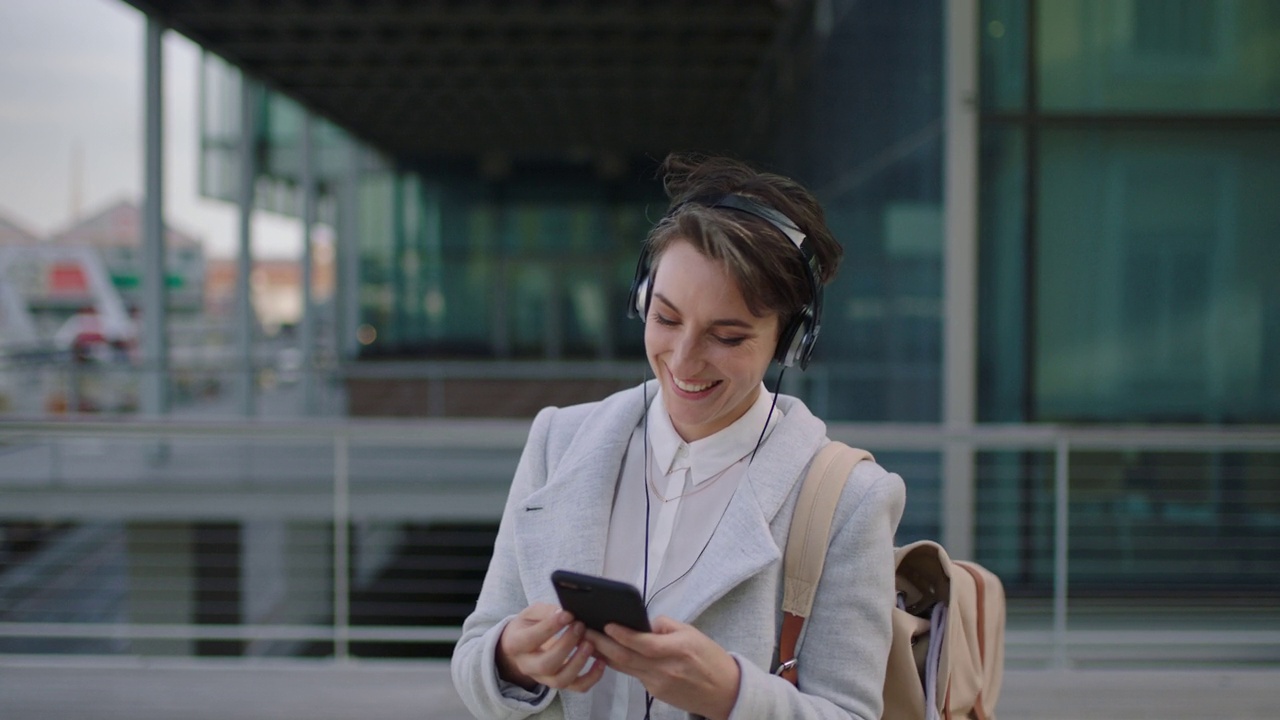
point(453, 78)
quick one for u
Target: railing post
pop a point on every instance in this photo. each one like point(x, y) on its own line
point(341, 546)
point(307, 336)
point(1061, 517)
point(55, 462)
point(155, 313)
point(960, 277)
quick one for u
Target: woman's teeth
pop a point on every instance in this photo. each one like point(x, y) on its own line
point(692, 387)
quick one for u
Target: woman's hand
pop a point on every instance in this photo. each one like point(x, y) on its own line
point(676, 663)
point(533, 650)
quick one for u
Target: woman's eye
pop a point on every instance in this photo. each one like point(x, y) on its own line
point(663, 321)
point(730, 341)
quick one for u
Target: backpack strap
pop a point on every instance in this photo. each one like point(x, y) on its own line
point(807, 543)
point(980, 586)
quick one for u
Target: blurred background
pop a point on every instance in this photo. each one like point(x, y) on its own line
point(282, 283)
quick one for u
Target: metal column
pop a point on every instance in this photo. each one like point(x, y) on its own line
point(959, 355)
point(396, 331)
point(307, 336)
point(244, 302)
point(155, 396)
point(347, 306)
point(1061, 531)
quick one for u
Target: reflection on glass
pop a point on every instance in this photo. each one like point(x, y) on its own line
point(1155, 289)
point(1002, 308)
point(1158, 55)
point(1003, 38)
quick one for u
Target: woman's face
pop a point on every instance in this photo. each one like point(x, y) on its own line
point(707, 350)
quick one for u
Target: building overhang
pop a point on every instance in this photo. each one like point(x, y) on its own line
point(498, 82)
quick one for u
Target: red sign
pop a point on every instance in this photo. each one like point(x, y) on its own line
point(67, 279)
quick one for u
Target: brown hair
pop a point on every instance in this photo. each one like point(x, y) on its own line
point(769, 270)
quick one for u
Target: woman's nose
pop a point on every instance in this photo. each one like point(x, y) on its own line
point(686, 355)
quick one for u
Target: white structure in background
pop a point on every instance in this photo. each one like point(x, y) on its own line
point(42, 348)
point(74, 277)
point(116, 233)
point(16, 327)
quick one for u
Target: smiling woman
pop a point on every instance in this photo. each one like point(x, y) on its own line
point(700, 468)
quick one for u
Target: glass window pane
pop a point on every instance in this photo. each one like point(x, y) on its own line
point(1155, 276)
point(867, 138)
point(1158, 55)
point(1002, 275)
point(1138, 521)
point(1189, 520)
point(1003, 36)
point(1015, 502)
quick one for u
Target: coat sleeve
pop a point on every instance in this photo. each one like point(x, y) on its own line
point(845, 647)
point(474, 669)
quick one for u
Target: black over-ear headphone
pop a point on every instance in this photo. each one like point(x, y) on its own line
point(797, 337)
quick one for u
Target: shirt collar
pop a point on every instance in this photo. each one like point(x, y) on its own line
point(711, 455)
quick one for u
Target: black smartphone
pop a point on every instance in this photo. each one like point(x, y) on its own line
point(598, 601)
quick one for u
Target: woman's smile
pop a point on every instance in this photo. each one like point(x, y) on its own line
point(693, 388)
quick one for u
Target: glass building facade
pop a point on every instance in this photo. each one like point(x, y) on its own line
point(1131, 161)
point(1129, 165)
point(1129, 236)
point(535, 266)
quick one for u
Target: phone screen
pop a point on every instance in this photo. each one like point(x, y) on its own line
point(598, 601)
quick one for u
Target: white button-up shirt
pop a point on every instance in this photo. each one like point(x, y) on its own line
point(689, 486)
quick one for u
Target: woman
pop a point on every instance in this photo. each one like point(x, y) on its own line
point(685, 487)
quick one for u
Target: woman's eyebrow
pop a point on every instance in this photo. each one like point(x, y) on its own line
point(727, 322)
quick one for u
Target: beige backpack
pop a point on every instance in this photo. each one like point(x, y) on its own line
point(946, 660)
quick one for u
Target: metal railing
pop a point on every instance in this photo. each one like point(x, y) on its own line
point(353, 475)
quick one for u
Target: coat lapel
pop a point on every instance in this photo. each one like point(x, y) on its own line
point(564, 524)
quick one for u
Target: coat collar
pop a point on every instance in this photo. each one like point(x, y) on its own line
point(745, 544)
point(710, 456)
point(564, 524)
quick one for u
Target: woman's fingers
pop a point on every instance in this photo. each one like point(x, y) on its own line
point(644, 644)
point(618, 655)
point(538, 627)
point(535, 644)
point(559, 661)
point(677, 663)
point(570, 673)
point(587, 680)
point(549, 660)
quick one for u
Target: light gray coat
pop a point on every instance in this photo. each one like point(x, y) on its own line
point(557, 516)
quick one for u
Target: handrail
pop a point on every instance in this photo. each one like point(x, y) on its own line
point(179, 631)
point(461, 433)
point(511, 433)
point(1060, 441)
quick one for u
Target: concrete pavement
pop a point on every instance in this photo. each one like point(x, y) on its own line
point(35, 689)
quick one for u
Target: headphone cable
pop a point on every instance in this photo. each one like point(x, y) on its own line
point(644, 389)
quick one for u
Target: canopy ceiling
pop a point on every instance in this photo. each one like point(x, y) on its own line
point(585, 80)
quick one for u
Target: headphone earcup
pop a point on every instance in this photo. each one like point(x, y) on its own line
point(788, 341)
point(795, 341)
point(639, 303)
point(638, 298)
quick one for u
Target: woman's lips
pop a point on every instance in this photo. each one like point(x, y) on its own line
point(693, 388)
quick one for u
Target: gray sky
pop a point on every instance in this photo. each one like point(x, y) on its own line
point(71, 72)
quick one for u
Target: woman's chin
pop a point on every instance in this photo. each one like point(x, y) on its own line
point(695, 423)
